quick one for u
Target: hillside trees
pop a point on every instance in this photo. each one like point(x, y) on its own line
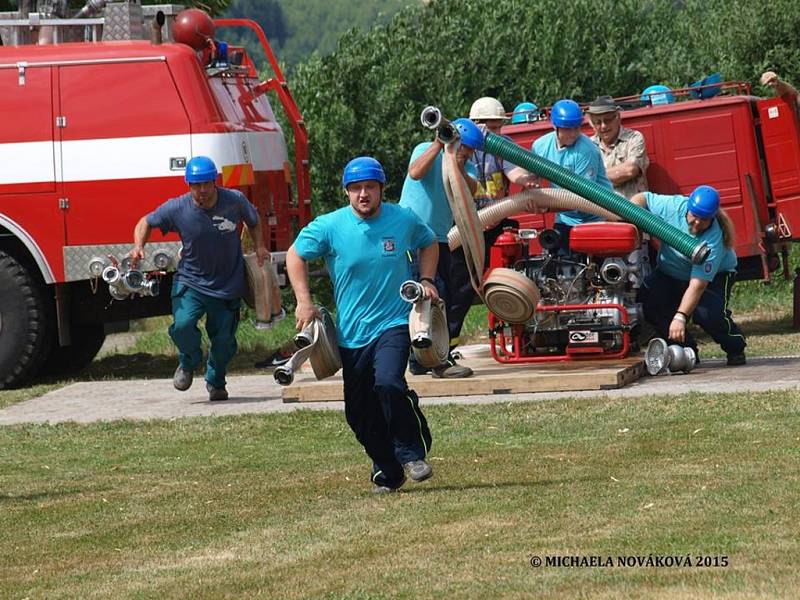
point(366, 97)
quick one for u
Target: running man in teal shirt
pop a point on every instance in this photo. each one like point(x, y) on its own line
point(365, 246)
point(678, 290)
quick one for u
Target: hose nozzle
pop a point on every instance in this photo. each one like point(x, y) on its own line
point(432, 118)
point(411, 291)
point(283, 375)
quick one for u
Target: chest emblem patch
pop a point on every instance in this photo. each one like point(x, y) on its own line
point(223, 224)
point(707, 267)
point(388, 246)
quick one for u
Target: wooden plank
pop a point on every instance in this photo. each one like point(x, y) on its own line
point(491, 378)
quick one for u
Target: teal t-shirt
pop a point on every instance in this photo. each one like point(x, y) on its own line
point(673, 210)
point(426, 196)
point(582, 158)
point(368, 260)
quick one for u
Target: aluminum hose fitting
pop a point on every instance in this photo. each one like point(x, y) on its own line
point(431, 118)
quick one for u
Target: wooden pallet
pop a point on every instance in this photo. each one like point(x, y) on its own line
point(491, 378)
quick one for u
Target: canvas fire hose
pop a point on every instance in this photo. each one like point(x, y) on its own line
point(318, 343)
point(552, 199)
point(263, 292)
point(427, 326)
point(499, 146)
point(459, 196)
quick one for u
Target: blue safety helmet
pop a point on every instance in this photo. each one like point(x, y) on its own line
point(471, 135)
point(363, 168)
point(525, 112)
point(704, 202)
point(201, 169)
point(566, 114)
point(657, 94)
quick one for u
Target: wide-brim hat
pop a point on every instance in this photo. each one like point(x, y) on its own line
point(602, 105)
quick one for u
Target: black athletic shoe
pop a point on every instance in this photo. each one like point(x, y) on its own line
point(737, 359)
point(276, 360)
point(417, 369)
point(216, 394)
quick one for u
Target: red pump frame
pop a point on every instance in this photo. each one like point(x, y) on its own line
point(516, 355)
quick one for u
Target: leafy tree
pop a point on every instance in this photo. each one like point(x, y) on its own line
point(366, 97)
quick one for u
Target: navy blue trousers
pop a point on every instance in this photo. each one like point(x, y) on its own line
point(380, 409)
point(661, 296)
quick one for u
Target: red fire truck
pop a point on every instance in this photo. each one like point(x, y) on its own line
point(720, 135)
point(95, 135)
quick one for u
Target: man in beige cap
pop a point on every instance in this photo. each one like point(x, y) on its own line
point(787, 91)
point(624, 152)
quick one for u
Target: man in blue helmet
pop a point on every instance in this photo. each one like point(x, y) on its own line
point(210, 279)
point(495, 176)
point(423, 193)
point(525, 112)
point(568, 147)
point(365, 247)
point(678, 290)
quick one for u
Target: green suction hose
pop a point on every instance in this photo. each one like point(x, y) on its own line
point(682, 242)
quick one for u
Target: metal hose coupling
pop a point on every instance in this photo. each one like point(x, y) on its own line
point(317, 343)
point(662, 358)
point(412, 292)
point(427, 325)
point(432, 118)
point(122, 284)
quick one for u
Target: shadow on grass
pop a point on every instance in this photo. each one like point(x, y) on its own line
point(432, 487)
point(8, 497)
point(766, 326)
point(143, 365)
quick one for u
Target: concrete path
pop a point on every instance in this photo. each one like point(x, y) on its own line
point(87, 402)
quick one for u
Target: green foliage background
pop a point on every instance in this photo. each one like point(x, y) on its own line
point(298, 28)
point(365, 98)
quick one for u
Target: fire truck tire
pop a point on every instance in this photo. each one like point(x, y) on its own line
point(86, 343)
point(24, 340)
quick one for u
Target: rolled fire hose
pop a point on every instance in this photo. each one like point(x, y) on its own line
point(510, 295)
point(427, 326)
point(465, 215)
point(528, 200)
point(619, 205)
point(263, 293)
point(317, 342)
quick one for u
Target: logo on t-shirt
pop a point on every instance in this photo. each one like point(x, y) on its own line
point(223, 224)
point(388, 246)
point(708, 266)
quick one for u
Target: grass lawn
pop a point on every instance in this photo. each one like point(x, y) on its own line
point(278, 506)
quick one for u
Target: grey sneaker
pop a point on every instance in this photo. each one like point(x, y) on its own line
point(418, 470)
point(182, 380)
point(386, 489)
point(451, 370)
point(215, 394)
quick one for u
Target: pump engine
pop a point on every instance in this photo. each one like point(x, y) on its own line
point(587, 296)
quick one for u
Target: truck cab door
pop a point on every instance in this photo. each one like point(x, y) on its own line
point(29, 205)
point(780, 134)
point(125, 140)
